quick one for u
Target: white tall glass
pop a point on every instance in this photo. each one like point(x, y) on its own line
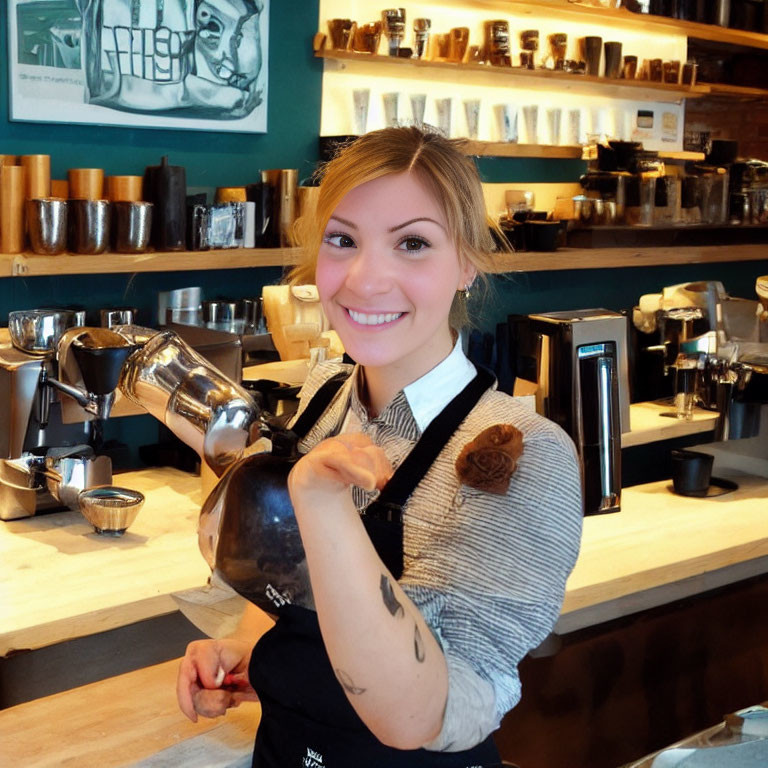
point(418, 105)
point(531, 122)
point(444, 115)
point(554, 122)
point(506, 122)
point(361, 97)
point(391, 104)
point(472, 116)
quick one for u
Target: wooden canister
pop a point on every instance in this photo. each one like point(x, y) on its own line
point(60, 188)
point(230, 195)
point(124, 189)
point(12, 208)
point(86, 183)
point(9, 160)
point(37, 180)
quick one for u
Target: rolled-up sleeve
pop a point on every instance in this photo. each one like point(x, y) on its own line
point(492, 583)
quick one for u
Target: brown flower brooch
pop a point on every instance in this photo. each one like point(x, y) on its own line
point(488, 461)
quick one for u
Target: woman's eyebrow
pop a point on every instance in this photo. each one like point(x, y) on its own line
point(412, 221)
point(346, 223)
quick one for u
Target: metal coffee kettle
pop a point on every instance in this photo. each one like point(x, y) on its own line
point(199, 404)
point(247, 530)
point(249, 535)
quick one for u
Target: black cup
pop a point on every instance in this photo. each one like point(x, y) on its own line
point(691, 471)
point(612, 59)
point(593, 49)
point(542, 235)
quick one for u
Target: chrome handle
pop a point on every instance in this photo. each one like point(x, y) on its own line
point(604, 377)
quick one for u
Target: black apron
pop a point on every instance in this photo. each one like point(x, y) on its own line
point(307, 720)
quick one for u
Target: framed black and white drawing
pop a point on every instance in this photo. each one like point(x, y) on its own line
point(191, 64)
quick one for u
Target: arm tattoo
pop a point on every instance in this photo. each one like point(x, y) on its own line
point(347, 683)
point(388, 595)
point(418, 645)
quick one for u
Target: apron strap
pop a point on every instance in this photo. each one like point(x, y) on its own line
point(389, 504)
point(317, 405)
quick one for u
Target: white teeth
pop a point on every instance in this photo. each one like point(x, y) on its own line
point(362, 319)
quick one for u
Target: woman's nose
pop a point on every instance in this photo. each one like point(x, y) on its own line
point(369, 273)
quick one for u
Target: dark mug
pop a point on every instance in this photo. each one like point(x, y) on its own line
point(593, 48)
point(691, 471)
point(612, 59)
point(542, 235)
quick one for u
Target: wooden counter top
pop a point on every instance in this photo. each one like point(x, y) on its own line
point(131, 719)
point(662, 547)
point(60, 580)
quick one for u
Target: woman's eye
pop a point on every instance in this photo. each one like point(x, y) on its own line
point(413, 244)
point(339, 240)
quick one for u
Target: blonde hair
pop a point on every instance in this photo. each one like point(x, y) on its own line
point(439, 162)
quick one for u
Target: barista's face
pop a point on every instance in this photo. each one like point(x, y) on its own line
point(227, 43)
point(387, 274)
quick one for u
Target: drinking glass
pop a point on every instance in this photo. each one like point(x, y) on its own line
point(554, 120)
point(506, 120)
point(472, 114)
point(531, 121)
point(418, 104)
point(444, 115)
point(391, 103)
point(361, 97)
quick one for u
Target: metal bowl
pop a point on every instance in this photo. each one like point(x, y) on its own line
point(37, 331)
point(110, 509)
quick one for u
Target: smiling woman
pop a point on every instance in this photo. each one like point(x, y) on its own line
point(387, 279)
point(437, 536)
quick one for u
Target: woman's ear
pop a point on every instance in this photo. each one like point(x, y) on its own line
point(467, 276)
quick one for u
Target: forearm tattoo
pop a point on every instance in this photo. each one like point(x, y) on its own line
point(347, 683)
point(418, 645)
point(396, 609)
point(388, 595)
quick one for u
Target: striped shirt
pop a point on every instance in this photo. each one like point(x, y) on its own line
point(487, 571)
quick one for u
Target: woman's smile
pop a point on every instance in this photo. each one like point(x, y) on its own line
point(376, 319)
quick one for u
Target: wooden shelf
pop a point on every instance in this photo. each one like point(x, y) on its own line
point(510, 149)
point(31, 265)
point(590, 153)
point(736, 92)
point(619, 18)
point(601, 258)
point(539, 79)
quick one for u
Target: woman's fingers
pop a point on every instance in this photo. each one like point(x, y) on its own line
point(212, 702)
point(203, 671)
point(348, 459)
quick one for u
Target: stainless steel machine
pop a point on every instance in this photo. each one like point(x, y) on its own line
point(578, 363)
point(48, 459)
point(720, 359)
point(58, 384)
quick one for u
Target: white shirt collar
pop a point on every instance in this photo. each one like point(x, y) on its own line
point(428, 395)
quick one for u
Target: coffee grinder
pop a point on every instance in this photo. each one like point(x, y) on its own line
point(577, 361)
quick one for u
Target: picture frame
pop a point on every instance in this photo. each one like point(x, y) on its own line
point(183, 64)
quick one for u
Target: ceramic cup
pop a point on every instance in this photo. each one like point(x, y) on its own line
point(691, 471)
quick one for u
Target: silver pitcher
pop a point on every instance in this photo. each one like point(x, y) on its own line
point(203, 408)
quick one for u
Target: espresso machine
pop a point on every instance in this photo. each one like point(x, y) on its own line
point(57, 386)
point(724, 365)
point(578, 363)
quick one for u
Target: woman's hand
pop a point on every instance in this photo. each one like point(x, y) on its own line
point(338, 462)
point(213, 676)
